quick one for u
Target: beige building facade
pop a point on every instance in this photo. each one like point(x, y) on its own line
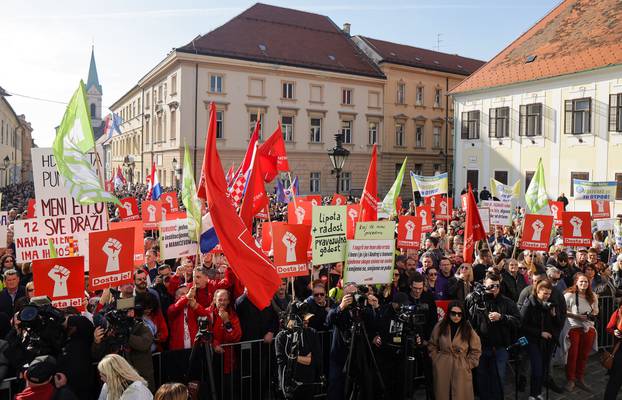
point(13, 129)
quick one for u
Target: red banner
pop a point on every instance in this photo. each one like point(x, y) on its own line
point(315, 200)
point(409, 232)
point(577, 228)
point(61, 279)
point(425, 213)
point(556, 208)
point(151, 214)
point(128, 209)
point(139, 244)
point(441, 308)
point(536, 232)
point(352, 211)
point(432, 200)
point(31, 208)
point(338, 200)
point(266, 235)
point(443, 208)
point(299, 212)
point(601, 209)
point(169, 202)
point(111, 258)
point(290, 249)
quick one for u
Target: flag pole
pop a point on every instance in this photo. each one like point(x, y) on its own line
point(98, 165)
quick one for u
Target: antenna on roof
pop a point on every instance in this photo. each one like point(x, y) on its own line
point(438, 41)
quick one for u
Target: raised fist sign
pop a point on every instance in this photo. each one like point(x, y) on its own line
point(59, 275)
point(314, 202)
point(433, 201)
point(555, 210)
point(576, 223)
point(169, 200)
point(537, 227)
point(112, 248)
point(410, 228)
point(353, 214)
point(128, 208)
point(289, 240)
point(444, 207)
point(300, 214)
point(424, 217)
point(600, 206)
point(338, 201)
point(151, 209)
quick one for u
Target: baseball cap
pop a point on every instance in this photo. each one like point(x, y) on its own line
point(41, 369)
point(571, 253)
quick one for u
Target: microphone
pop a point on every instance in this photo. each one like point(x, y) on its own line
point(521, 342)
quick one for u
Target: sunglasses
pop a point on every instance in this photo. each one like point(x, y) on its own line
point(432, 274)
point(319, 294)
point(493, 286)
point(455, 313)
point(523, 268)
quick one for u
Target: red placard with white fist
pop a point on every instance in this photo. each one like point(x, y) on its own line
point(299, 212)
point(425, 213)
point(128, 209)
point(536, 232)
point(152, 214)
point(61, 279)
point(169, 202)
point(443, 208)
point(290, 243)
point(338, 200)
point(315, 200)
point(409, 232)
point(556, 208)
point(352, 214)
point(111, 258)
point(601, 209)
point(432, 200)
point(577, 228)
point(463, 201)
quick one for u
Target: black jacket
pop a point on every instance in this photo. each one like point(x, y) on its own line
point(309, 343)
point(456, 289)
point(318, 321)
point(499, 333)
point(7, 303)
point(427, 300)
point(255, 323)
point(75, 359)
point(511, 287)
point(535, 319)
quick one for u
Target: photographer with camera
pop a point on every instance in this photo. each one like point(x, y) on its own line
point(298, 354)
point(319, 306)
point(360, 311)
point(496, 320)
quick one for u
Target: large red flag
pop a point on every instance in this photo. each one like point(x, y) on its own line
point(369, 198)
point(473, 227)
point(255, 198)
point(248, 262)
point(272, 156)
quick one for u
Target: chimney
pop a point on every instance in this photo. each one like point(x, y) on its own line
point(346, 27)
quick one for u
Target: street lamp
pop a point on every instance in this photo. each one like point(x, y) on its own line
point(177, 173)
point(338, 156)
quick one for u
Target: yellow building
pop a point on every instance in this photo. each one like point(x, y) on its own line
point(554, 93)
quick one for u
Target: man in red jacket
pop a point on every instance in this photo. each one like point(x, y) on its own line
point(205, 286)
point(226, 328)
point(182, 318)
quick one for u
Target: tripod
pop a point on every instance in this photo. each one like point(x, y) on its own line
point(202, 350)
point(352, 383)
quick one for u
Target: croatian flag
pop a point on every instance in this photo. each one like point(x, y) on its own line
point(113, 123)
point(154, 190)
point(119, 179)
point(209, 240)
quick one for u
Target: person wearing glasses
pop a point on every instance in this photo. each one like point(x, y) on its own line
point(495, 318)
point(461, 284)
point(454, 348)
point(431, 276)
point(319, 306)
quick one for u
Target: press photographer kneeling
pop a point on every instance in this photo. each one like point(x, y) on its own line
point(298, 355)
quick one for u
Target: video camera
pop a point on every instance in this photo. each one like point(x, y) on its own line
point(43, 323)
point(116, 322)
point(414, 316)
point(293, 318)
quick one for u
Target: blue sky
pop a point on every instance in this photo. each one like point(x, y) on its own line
point(45, 46)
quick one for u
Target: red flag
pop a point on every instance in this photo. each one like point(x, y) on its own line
point(369, 198)
point(248, 262)
point(473, 227)
point(273, 156)
point(255, 198)
point(230, 173)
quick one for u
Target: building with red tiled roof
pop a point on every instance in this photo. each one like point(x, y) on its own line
point(555, 93)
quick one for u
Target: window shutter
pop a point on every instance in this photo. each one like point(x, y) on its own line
point(568, 116)
point(613, 120)
point(477, 122)
point(539, 119)
point(464, 131)
point(522, 120)
point(588, 128)
point(492, 123)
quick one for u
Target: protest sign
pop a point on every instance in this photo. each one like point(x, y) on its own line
point(601, 209)
point(484, 214)
point(429, 185)
point(139, 244)
point(586, 190)
point(266, 235)
point(61, 279)
point(441, 308)
point(556, 208)
point(128, 210)
point(59, 213)
point(174, 239)
point(315, 200)
point(463, 202)
point(432, 200)
point(375, 230)
point(299, 212)
point(31, 244)
point(290, 249)
point(409, 232)
point(504, 192)
point(617, 232)
point(425, 213)
point(443, 208)
point(4, 225)
point(328, 230)
point(369, 261)
point(607, 224)
point(500, 212)
point(111, 258)
point(576, 228)
point(338, 200)
point(169, 202)
point(536, 232)
point(31, 213)
point(353, 217)
point(169, 216)
point(151, 214)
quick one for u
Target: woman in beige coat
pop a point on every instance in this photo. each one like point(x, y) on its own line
point(454, 349)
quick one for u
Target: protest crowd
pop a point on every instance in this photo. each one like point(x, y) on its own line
point(462, 297)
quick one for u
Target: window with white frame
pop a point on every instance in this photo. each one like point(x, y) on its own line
point(346, 96)
point(215, 83)
point(316, 130)
point(437, 97)
point(419, 136)
point(419, 96)
point(436, 137)
point(345, 182)
point(373, 132)
point(287, 125)
point(314, 182)
point(220, 116)
point(346, 130)
point(401, 93)
point(287, 91)
point(399, 134)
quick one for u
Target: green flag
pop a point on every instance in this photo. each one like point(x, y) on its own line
point(52, 248)
point(73, 141)
point(190, 199)
point(388, 204)
point(535, 196)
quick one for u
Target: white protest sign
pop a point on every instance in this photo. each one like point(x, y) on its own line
point(174, 239)
point(500, 212)
point(31, 244)
point(4, 225)
point(484, 214)
point(369, 261)
point(607, 224)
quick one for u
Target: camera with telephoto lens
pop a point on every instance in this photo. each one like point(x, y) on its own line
point(480, 296)
point(414, 316)
point(116, 322)
point(43, 325)
point(360, 297)
point(293, 318)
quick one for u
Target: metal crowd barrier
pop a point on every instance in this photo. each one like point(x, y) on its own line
point(606, 307)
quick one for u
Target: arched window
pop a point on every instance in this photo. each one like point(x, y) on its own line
point(92, 110)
